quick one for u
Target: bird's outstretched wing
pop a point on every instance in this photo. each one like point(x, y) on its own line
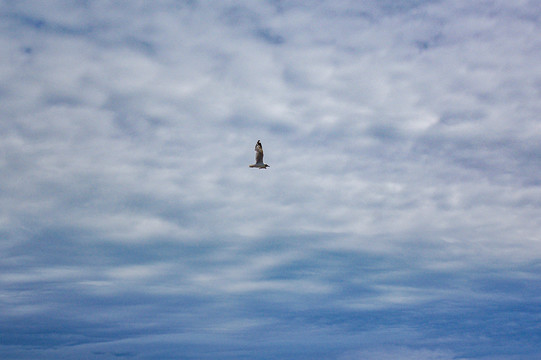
point(258, 153)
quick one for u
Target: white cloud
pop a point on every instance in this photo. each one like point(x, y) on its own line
point(403, 144)
point(402, 353)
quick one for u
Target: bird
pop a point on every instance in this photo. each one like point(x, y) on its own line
point(259, 157)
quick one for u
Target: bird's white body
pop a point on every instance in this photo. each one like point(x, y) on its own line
point(259, 166)
point(259, 157)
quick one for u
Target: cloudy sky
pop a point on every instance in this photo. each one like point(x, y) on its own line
point(400, 216)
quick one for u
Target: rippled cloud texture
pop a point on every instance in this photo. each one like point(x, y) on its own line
point(400, 217)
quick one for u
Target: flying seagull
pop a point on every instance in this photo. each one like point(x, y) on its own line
point(259, 157)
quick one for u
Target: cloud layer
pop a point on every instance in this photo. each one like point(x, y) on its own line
point(399, 217)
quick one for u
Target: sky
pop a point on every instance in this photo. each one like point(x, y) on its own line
point(400, 217)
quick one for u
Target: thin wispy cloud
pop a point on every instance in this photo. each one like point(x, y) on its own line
point(399, 218)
